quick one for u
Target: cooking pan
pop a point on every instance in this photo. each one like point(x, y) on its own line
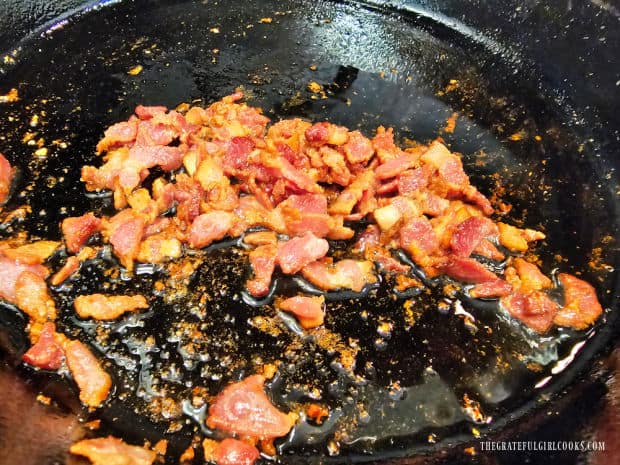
point(537, 132)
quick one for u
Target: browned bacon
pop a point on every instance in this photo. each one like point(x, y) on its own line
point(308, 310)
point(470, 233)
point(46, 353)
point(107, 307)
point(263, 261)
point(294, 254)
point(112, 451)
point(6, 177)
point(467, 270)
point(94, 383)
point(210, 227)
point(244, 409)
point(77, 230)
point(10, 270)
point(344, 274)
point(118, 134)
point(234, 452)
point(491, 289)
point(581, 306)
point(536, 309)
point(33, 298)
point(124, 231)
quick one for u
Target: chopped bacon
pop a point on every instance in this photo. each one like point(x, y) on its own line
point(230, 452)
point(94, 383)
point(396, 166)
point(244, 409)
point(125, 231)
point(46, 353)
point(210, 227)
point(308, 310)
point(71, 266)
point(344, 274)
point(159, 248)
point(536, 309)
point(33, 298)
point(317, 133)
point(418, 238)
point(294, 254)
point(581, 306)
point(77, 230)
point(104, 307)
point(467, 270)
point(112, 451)
point(517, 239)
point(263, 261)
point(10, 270)
point(412, 181)
point(470, 233)
point(118, 134)
point(530, 277)
point(6, 178)
point(148, 112)
point(491, 289)
point(358, 149)
point(260, 238)
point(307, 212)
point(32, 254)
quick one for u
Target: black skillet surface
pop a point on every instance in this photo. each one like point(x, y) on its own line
point(378, 66)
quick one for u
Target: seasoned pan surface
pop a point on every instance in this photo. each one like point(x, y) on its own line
point(435, 379)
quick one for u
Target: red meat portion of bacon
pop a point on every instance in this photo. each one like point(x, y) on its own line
point(33, 298)
point(358, 148)
point(581, 306)
point(151, 134)
point(535, 309)
point(168, 158)
point(125, 231)
point(491, 289)
point(414, 180)
point(123, 133)
point(263, 261)
point(419, 240)
point(395, 166)
point(244, 409)
point(469, 233)
point(78, 229)
point(344, 274)
point(93, 382)
point(318, 133)
point(210, 227)
point(10, 270)
point(307, 212)
point(6, 177)
point(467, 270)
point(234, 452)
point(46, 353)
point(112, 451)
point(294, 254)
point(308, 310)
point(236, 160)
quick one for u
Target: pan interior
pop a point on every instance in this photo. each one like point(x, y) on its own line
point(399, 375)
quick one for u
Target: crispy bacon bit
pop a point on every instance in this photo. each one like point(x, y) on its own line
point(112, 451)
point(344, 274)
point(10, 270)
point(33, 253)
point(308, 310)
point(244, 409)
point(104, 307)
point(263, 261)
point(467, 270)
point(418, 238)
point(77, 230)
point(94, 383)
point(491, 289)
point(297, 252)
point(6, 178)
point(124, 232)
point(210, 227)
point(46, 353)
point(32, 297)
point(516, 239)
point(581, 306)
point(118, 134)
point(530, 277)
point(261, 238)
point(470, 233)
point(71, 266)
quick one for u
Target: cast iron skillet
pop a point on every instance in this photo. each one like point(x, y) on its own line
point(390, 65)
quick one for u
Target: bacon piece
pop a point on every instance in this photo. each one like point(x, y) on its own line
point(530, 277)
point(244, 409)
point(6, 178)
point(491, 289)
point(297, 252)
point(118, 134)
point(32, 297)
point(412, 181)
point(234, 452)
point(104, 307)
point(10, 270)
point(467, 270)
point(344, 274)
point(125, 231)
point(236, 160)
point(210, 227)
point(419, 240)
point(447, 164)
point(358, 149)
point(148, 112)
point(33, 253)
point(318, 133)
point(487, 249)
point(263, 261)
point(159, 248)
point(46, 353)
point(535, 309)
point(395, 166)
point(469, 233)
point(517, 239)
point(261, 238)
point(94, 383)
point(308, 310)
point(354, 193)
point(581, 306)
point(307, 212)
point(151, 134)
point(71, 266)
point(168, 158)
point(112, 451)
point(77, 230)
